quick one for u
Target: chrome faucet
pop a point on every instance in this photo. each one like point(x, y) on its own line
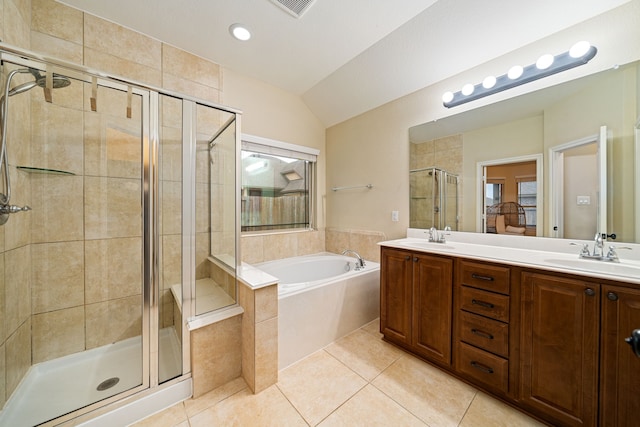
point(435, 237)
point(598, 245)
point(360, 263)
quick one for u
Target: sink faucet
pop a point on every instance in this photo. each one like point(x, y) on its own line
point(598, 245)
point(360, 263)
point(435, 237)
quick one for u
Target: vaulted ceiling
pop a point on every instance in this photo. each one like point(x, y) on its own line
point(345, 57)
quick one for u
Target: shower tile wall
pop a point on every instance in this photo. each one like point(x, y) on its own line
point(74, 291)
point(443, 153)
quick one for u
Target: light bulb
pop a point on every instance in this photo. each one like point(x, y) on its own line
point(467, 89)
point(515, 72)
point(579, 49)
point(240, 32)
point(544, 61)
point(489, 82)
point(447, 97)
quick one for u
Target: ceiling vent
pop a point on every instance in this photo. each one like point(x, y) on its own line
point(295, 7)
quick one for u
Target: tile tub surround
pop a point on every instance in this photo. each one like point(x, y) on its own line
point(358, 380)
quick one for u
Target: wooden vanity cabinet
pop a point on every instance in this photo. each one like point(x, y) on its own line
point(619, 366)
point(483, 307)
point(560, 319)
point(416, 297)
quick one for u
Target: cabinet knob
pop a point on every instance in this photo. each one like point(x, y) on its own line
point(415, 259)
point(589, 292)
point(407, 258)
point(634, 341)
point(612, 296)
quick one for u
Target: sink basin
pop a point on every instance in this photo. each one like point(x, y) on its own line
point(614, 268)
point(428, 245)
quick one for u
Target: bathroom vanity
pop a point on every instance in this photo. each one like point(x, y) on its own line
point(544, 331)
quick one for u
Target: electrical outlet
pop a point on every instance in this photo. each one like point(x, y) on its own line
point(394, 216)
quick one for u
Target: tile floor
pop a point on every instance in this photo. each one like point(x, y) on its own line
point(359, 380)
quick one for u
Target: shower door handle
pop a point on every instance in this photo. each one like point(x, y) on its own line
point(634, 341)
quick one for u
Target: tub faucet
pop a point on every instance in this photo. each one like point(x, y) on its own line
point(360, 263)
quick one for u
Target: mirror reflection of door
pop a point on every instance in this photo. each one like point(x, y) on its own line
point(578, 172)
point(510, 194)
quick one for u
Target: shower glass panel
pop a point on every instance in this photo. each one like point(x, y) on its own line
point(434, 196)
point(215, 262)
point(72, 266)
point(170, 239)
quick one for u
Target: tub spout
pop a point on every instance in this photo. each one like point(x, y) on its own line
point(360, 263)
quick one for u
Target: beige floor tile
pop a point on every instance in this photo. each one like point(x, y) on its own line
point(318, 385)
point(370, 407)
point(435, 397)
point(269, 408)
point(485, 411)
point(364, 353)
point(174, 416)
point(373, 328)
point(193, 406)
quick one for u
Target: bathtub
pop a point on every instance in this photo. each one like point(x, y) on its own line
point(320, 299)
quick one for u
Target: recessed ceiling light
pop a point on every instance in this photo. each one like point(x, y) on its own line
point(240, 32)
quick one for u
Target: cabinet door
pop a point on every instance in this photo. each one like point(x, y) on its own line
point(395, 295)
point(620, 379)
point(432, 307)
point(559, 348)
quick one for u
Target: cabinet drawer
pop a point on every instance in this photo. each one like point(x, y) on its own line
point(488, 334)
point(484, 303)
point(490, 277)
point(484, 367)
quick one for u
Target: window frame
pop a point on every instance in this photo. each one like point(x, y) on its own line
point(257, 144)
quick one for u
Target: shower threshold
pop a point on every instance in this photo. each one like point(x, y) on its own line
point(57, 387)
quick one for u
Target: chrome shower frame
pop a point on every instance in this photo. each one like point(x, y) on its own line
point(181, 386)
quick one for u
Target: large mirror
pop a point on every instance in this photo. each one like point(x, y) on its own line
point(516, 143)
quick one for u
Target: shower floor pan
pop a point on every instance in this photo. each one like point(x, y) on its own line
point(57, 387)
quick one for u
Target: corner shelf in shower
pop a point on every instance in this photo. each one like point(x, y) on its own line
point(30, 169)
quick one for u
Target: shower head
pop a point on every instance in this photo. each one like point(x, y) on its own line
point(40, 80)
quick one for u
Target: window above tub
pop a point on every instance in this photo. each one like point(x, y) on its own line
point(278, 185)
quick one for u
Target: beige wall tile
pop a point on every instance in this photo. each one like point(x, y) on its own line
point(58, 208)
point(17, 356)
point(17, 23)
point(203, 242)
point(248, 351)
point(55, 19)
point(113, 268)
point(17, 232)
point(365, 243)
point(56, 48)
point(203, 208)
point(336, 240)
point(190, 88)
point(170, 155)
point(119, 66)
point(2, 301)
point(121, 42)
point(266, 359)
point(58, 333)
point(58, 276)
point(266, 303)
point(186, 65)
point(17, 288)
point(251, 248)
point(57, 138)
point(216, 355)
point(113, 320)
point(311, 242)
point(113, 146)
point(171, 209)
point(2, 29)
point(112, 207)
point(171, 260)
point(280, 246)
point(2, 359)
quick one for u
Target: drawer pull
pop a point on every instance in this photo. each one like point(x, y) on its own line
point(482, 334)
point(481, 277)
point(482, 303)
point(481, 367)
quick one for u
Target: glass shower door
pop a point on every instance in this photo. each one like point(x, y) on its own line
point(73, 265)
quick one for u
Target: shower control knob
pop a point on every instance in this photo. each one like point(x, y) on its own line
point(7, 209)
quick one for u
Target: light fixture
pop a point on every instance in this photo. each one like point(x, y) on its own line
point(547, 65)
point(240, 32)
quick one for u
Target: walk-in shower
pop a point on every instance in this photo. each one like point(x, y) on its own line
point(434, 198)
point(109, 214)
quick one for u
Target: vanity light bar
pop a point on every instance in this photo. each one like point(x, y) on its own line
point(579, 54)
